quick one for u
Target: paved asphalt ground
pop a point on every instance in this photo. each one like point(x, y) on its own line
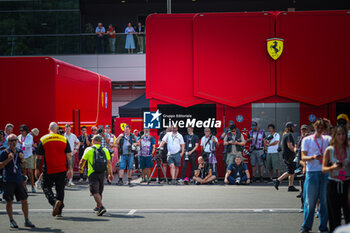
point(157, 208)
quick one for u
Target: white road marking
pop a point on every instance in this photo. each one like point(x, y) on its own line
point(131, 212)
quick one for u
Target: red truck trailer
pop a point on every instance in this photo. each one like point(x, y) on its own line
point(39, 90)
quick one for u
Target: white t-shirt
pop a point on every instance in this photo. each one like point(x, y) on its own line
point(174, 142)
point(72, 139)
point(208, 147)
point(309, 144)
point(274, 148)
point(27, 146)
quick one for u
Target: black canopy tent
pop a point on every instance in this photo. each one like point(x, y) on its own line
point(135, 108)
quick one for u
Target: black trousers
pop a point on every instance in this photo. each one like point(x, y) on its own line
point(59, 179)
point(337, 199)
point(192, 161)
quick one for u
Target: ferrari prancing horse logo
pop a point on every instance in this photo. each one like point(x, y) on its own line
point(275, 47)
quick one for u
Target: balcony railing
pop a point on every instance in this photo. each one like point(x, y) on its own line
point(57, 44)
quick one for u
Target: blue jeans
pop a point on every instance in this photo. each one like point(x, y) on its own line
point(315, 188)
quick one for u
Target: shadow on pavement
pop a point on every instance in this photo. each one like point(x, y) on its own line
point(82, 219)
point(38, 229)
point(123, 216)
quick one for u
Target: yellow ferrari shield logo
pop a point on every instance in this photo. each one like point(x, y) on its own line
point(122, 126)
point(275, 47)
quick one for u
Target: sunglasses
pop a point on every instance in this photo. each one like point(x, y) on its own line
point(94, 130)
point(13, 140)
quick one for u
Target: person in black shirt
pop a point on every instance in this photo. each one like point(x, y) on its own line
point(85, 142)
point(203, 173)
point(12, 160)
point(165, 149)
point(191, 145)
point(288, 154)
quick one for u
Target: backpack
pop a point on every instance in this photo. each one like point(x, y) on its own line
point(99, 163)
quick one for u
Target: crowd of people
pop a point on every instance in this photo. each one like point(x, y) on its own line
point(130, 31)
point(320, 156)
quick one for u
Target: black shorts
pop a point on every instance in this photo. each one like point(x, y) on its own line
point(164, 158)
point(14, 189)
point(96, 183)
point(291, 166)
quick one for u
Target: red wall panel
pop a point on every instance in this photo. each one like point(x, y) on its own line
point(231, 64)
point(27, 92)
point(314, 65)
point(169, 59)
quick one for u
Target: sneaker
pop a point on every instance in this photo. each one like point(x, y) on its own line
point(129, 181)
point(28, 223)
point(101, 211)
point(33, 190)
point(181, 181)
point(95, 209)
point(38, 184)
point(261, 179)
point(299, 195)
point(276, 183)
point(81, 180)
point(120, 182)
point(292, 189)
point(13, 224)
point(56, 208)
point(253, 179)
point(70, 183)
point(173, 182)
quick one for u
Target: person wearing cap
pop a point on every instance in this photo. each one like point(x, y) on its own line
point(288, 155)
point(315, 187)
point(237, 172)
point(74, 145)
point(25, 143)
point(256, 136)
point(235, 144)
point(222, 137)
point(12, 160)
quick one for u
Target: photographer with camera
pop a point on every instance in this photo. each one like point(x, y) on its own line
point(85, 142)
point(235, 144)
point(191, 145)
point(127, 143)
point(273, 156)
point(105, 137)
point(222, 137)
point(336, 162)
point(237, 172)
point(315, 186)
point(256, 151)
point(203, 173)
point(209, 143)
point(147, 149)
point(176, 149)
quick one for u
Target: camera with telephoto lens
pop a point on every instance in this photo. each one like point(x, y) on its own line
point(339, 164)
point(269, 138)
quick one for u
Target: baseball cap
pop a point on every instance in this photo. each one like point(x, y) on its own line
point(290, 124)
point(343, 116)
point(254, 124)
point(107, 127)
point(231, 122)
point(303, 127)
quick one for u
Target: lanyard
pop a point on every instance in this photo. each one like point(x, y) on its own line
point(340, 158)
point(14, 160)
point(320, 148)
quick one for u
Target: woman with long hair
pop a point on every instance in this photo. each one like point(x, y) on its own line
point(336, 162)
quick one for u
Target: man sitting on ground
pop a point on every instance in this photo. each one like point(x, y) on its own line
point(203, 173)
point(237, 172)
